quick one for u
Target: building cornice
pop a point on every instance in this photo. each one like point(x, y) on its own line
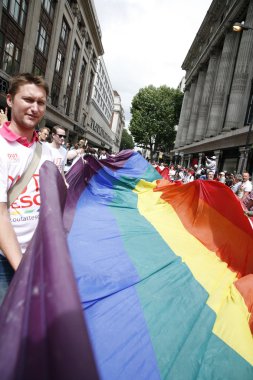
point(94, 26)
point(222, 141)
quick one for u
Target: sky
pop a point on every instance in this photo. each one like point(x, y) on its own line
point(146, 41)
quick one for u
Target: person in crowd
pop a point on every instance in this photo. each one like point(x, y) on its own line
point(247, 202)
point(73, 155)
point(248, 213)
point(59, 153)
point(179, 176)
point(210, 175)
point(91, 151)
point(161, 166)
point(102, 155)
point(203, 173)
point(229, 182)
point(27, 98)
point(172, 173)
point(199, 170)
point(246, 186)
point(189, 176)
point(236, 183)
point(43, 134)
point(211, 164)
point(229, 179)
point(221, 177)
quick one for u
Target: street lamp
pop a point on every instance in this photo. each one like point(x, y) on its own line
point(239, 27)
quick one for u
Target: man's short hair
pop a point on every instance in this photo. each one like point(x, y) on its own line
point(26, 78)
point(238, 177)
point(56, 127)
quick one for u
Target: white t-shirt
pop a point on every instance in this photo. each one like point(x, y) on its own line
point(59, 156)
point(247, 186)
point(24, 211)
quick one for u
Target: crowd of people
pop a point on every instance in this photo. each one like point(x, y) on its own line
point(240, 184)
point(64, 153)
point(23, 151)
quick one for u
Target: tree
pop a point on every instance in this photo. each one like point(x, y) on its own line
point(155, 112)
point(126, 140)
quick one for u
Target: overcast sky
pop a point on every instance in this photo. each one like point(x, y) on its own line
point(146, 41)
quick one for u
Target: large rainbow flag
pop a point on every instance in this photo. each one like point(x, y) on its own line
point(163, 272)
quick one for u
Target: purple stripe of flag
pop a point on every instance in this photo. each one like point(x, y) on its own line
point(43, 335)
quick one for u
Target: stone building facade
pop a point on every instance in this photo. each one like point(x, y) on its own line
point(217, 111)
point(60, 40)
point(118, 121)
point(101, 109)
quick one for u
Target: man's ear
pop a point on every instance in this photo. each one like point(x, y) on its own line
point(9, 100)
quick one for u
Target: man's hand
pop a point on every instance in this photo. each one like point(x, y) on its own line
point(3, 116)
point(8, 240)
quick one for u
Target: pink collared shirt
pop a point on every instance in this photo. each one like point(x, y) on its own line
point(8, 135)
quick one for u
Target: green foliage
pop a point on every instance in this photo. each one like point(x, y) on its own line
point(126, 140)
point(155, 112)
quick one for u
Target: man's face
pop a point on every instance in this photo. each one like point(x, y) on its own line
point(59, 137)
point(43, 135)
point(210, 176)
point(28, 106)
point(245, 177)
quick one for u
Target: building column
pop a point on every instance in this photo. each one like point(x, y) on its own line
point(1, 10)
point(241, 76)
point(200, 159)
point(182, 117)
point(181, 161)
point(88, 71)
point(244, 155)
point(189, 157)
point(54, 42)
point(195, 107)
point(30, 38)
point(223, 78)
point(187, 115)
point(67, 62)
point(206, 96)
point(218, 155)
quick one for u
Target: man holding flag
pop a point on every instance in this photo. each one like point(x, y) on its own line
point(21, 154)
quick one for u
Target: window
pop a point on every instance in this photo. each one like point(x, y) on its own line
point(66, 103)
point(11, 58)
point(37, 70)
point(59, 62)
point(75, 51)
point(43, 40)
point(64, 32)
point(49, 7)
point(71, 76)
point(4, 85)
point(17, 10)
point(12, 34)
point(43, 37)
point(55, 92)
